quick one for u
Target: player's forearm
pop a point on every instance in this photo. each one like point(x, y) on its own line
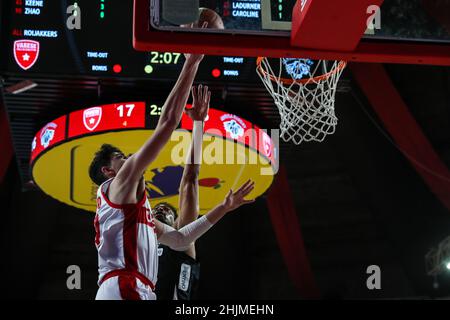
point(190, 174)
point(177, 99)
point(194, 158)
point(217, 213)
point(189, 183)
point(188, 202)
point(192, 168)
point(181, 239)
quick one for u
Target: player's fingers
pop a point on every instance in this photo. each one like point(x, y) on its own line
point(246, 184)
point(205, 25)
point(243, 186)
point(205, 93)
point(239, 191)
point(194, 93)
point(250, 186)
point(205, 114)
point(246, 192)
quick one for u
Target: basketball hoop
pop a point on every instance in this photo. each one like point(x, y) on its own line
point(305, 101)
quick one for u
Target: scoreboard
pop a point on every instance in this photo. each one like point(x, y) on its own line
point(139, 116)
point(94, 38)
point(234, 151)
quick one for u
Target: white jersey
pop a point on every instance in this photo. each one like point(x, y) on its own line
point(125, 236)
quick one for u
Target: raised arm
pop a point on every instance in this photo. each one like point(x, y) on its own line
point(170, 117)
point(180, 240)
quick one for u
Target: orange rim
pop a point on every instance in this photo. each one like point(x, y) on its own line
point(341, 65)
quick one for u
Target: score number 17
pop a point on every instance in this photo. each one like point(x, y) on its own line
point(129, 110)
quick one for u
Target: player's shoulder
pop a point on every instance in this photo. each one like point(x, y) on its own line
point(103, 187)
point(102, 198)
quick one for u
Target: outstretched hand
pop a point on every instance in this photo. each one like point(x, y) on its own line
point(235, 200)
point(200, 106)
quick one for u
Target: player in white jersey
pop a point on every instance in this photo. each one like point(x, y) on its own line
point(127, 233)
point(126, 243)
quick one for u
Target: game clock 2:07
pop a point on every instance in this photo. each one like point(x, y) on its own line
point(164, 57)
point(155, 110)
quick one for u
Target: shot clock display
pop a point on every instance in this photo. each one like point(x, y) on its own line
point(94, 37)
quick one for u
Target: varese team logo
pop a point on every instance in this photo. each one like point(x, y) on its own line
point(26, 53)
point(92, 118)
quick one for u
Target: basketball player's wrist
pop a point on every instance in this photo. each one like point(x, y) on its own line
point(225, 208)
point(217, 213)
point(198, 126)
point(193, 60)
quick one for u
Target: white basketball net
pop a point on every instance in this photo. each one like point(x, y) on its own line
point(306, 107)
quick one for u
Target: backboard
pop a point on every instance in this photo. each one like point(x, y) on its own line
point(399, 20)
point(390, 31)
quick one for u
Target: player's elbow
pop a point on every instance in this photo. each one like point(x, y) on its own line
point(181, 243)
point(175, 240)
